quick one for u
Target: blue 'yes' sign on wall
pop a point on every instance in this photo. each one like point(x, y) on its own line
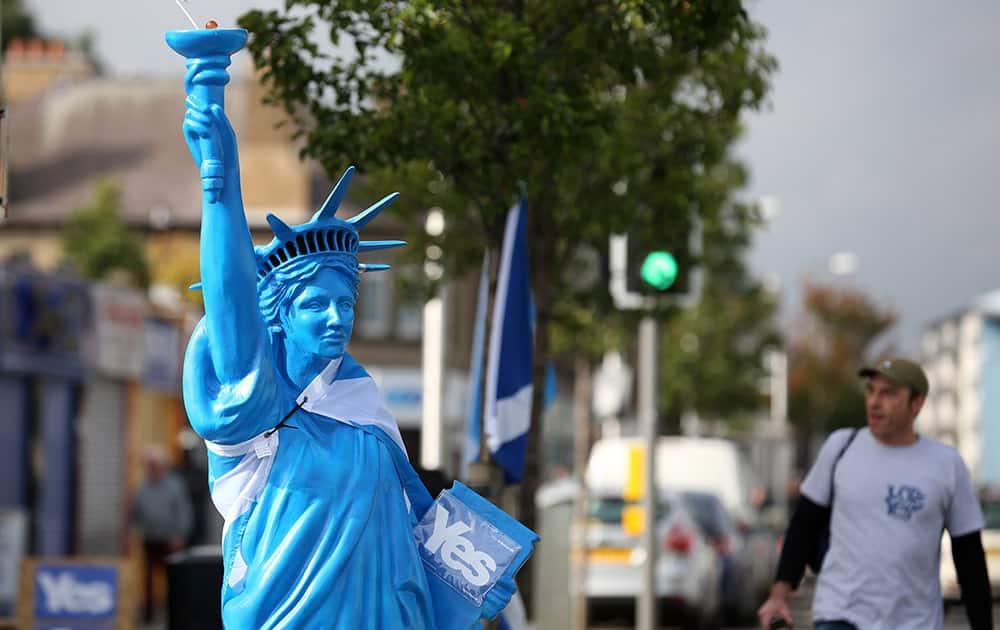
point(76, 592)
point(462, 548)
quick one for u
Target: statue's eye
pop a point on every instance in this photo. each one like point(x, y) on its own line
point(312, 305)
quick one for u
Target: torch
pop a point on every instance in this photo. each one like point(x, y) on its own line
point(208, 53)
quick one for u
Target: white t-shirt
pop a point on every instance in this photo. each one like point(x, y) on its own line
point(890, 507)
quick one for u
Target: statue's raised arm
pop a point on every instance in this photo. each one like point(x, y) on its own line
point(228, 265)
point(228, 275)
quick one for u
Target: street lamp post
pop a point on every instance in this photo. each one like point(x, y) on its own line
point(433, 435)
point(777, 455)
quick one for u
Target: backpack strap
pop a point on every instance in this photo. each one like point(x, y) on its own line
point(833, 469)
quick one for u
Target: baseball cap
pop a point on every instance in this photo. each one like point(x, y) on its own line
point(899, 371)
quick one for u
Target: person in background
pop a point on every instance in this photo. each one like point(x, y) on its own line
point(892, 492)
point(162, 512)
point(192, 470)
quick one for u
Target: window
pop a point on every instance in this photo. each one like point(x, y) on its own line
point(410, 321)
point(409, 307)
point(373, 316)
point(383, 311)
point(609, 510)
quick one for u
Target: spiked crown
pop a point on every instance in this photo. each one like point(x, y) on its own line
point(323, 234)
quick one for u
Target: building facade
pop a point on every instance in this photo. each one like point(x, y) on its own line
point(70, 129)
point(961, 355)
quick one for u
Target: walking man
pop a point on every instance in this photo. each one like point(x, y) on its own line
point(162, 511)
point(884, 494)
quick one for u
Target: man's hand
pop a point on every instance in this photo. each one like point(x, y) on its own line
point(776, 606)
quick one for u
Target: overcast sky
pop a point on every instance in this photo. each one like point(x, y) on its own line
point(881, 139)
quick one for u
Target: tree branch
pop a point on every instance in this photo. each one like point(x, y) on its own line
point(567, 26)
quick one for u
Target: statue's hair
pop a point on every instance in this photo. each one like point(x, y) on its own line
point(276, 292)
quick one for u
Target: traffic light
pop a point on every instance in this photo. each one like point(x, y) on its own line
point(660, 265)
point(659, 270)
point(650, 270)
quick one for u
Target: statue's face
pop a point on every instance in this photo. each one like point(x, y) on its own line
point(320, 317)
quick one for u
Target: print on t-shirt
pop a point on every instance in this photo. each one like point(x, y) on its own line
point(904, 501)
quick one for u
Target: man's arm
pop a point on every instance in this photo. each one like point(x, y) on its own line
point(973, 579)
point(804, 528)
point(800, 539)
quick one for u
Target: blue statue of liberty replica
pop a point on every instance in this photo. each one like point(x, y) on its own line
point(327, 524)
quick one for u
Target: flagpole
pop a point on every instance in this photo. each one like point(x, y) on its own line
point(506, 393)
point(582, 395)
point(483, 475)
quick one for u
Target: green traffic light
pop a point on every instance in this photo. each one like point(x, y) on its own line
point(659, 270)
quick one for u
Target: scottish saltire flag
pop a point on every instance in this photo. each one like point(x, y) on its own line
point(509, 360)
point(509, 370)
point(514, 250)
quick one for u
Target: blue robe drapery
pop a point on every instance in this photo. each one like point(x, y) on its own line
point(318, 527)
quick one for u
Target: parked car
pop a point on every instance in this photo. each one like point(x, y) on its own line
point(687, 567)
point(692, 464)
point(732, 543)
point(950, 592)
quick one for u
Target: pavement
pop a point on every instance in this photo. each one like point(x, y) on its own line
point(158, 624)
point(954, 617)
point(954, 620)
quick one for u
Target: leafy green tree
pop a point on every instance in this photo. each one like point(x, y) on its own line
point(96, 241)
point(605, 115)
point(713, 354)
point(16, 22)
point(836, 334)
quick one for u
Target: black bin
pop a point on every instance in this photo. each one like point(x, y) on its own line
point(194, 589)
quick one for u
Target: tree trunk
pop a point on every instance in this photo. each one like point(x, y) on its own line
point(532, 459)
point(582, 396)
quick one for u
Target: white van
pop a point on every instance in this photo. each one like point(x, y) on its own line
point(712, 465)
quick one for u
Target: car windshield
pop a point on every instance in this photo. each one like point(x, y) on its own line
point(609, 509)
point(991, 512)
point(706, 511)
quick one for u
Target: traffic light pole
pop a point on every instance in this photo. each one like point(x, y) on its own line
point(647, 377)
point(659, 275)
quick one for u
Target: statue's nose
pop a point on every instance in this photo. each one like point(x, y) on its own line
point(333, 316)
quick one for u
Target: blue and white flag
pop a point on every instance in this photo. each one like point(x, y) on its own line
point(509, 361)
point(508, 371)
